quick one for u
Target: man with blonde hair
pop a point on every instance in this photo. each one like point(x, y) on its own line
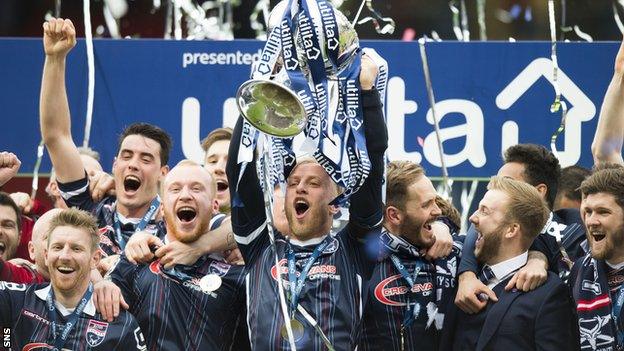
point(61, 314)
point(509, 217)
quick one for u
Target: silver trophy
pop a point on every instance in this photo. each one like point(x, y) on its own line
point(270, 105)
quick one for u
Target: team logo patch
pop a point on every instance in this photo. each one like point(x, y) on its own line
point(219, 268)
point(387, 293)
point(332, 246)
point(96, 332)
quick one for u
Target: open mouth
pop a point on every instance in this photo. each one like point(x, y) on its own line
point(598, 236)
point(131, 183)
point(301, 207)
point(222, 185)
point(2, 248)
point(65, 270)
point(186, 214)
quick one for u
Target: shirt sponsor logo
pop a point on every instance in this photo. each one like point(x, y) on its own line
point(388, 295)
point(321, 271)
point(96, 332)
point(35, 316)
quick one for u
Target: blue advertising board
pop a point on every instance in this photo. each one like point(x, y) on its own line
point(489, 95)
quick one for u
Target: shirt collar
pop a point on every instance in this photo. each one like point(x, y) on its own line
point(505, 268)
point(43, 295)
point(309, 242)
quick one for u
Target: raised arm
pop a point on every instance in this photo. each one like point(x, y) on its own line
point(59, 37)
point(366, 210)
point(607, 144)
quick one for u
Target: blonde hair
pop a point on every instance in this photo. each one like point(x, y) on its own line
point(525, 206)
point(76, 218)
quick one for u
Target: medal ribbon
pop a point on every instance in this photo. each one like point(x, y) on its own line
point(140, 226)
point(60, 340)
point(296, 284)
point(412, 311)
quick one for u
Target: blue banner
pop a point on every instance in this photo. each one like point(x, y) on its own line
point(489, 96)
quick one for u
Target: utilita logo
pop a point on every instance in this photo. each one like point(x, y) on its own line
point(388, 294)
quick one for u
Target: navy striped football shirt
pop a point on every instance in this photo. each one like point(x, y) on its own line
point(334, 293)
point(23, 310)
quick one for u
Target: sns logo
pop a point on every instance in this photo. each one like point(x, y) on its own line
point(388, 293)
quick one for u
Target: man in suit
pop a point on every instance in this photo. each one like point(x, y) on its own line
point(507, 221)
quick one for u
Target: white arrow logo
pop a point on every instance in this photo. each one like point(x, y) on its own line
point(582, 110)
point(332, 43)
point(313, 53)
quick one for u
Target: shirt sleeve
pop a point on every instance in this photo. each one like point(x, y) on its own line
point(10, 272)
point(123, 276)
point(248, 216)
point(76, 194)
point(468, 261)
point(366, 209)
point(10, 293)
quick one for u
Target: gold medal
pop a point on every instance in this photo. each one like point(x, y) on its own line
point(210, 282)
point(297, 330)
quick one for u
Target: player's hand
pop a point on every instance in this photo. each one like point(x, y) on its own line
point(529, 277)
point(368, 73)
point(23, 263)
point(100, 185)
point(9, 165)
point(23, 201)
point(139, 248)
point(108, 299)
point(234, 257)
point(469, 291)
point(59, 37)
point(443, 241)
point(177, 252)
point(107, 263)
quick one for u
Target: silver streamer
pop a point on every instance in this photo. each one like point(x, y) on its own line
point(262, 7)
point(91, 71)
point(212, 20)
point(481, 19)
point(425, 64)
point(616, 14)
point(57, 8)
point(558, 104)
point(383, 25)
point(35, 180)
point(464, 21)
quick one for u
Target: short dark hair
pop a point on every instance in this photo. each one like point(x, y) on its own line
point(570, 181)
point(399, 176)
point(606, 180)
point(218, 134)
point(6, 200)
point(540, 167)
point(149, 131)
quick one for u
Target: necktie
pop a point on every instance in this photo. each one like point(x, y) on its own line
point(486, 275)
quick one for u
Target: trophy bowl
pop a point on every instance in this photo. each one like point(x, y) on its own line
point(271, 107)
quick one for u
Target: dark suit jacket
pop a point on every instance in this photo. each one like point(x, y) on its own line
point(542, 319)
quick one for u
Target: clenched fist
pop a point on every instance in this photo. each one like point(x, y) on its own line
point(59, 37)
point(9, 165)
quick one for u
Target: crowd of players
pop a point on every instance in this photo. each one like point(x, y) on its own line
point(180, 259)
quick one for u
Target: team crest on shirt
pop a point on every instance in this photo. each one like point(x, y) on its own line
point(96, 332)
point(388, 292)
